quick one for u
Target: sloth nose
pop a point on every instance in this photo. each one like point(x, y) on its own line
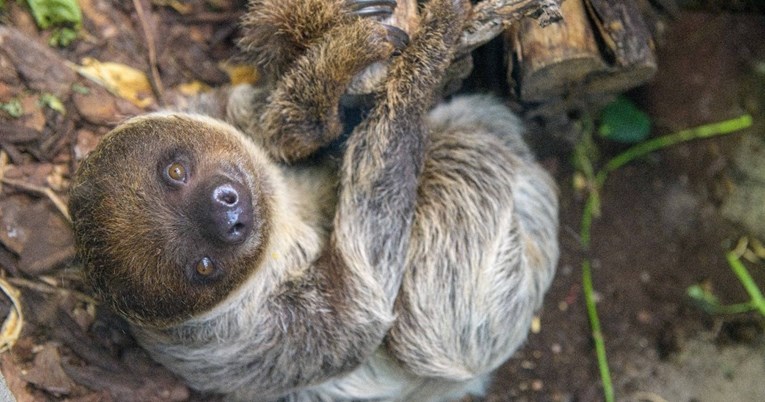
point(228, 211)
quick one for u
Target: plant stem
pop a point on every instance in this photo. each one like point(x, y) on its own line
point(597, 333)
point(592, 209)
point(733, 308)
point(705, 131)
point(758, 301)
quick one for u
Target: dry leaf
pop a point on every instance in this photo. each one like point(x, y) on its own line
point(11, 329)
point(179, 6)
point(121, 80)
point(241, 73)
point(192, 88)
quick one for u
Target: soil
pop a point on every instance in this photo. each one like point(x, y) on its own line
point(660, 231)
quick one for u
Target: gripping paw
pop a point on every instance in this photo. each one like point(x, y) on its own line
point(372, 8)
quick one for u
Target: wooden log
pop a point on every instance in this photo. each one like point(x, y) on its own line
point(601, 48)
point(627, 45)
point(557, 59)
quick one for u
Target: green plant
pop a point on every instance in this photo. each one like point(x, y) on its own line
point(13, 107)
point(585, 159)
point(705, 299)
point(63, 16)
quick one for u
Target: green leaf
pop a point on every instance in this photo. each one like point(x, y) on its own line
point(62, 37)
point(53, 102)
point(622, 121)
point(65, 15)
point(13, 108)
point(703, 298)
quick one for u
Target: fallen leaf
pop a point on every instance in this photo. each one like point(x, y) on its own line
point(241, 73)
point(37, 233)
point(50, 13)
point(12, 374)
point(97, 107)
point(41, 68)
point(119, 79)
point(63, 16)
point(53, 102)
point(46, 372)
point(192, 88)
point(86, 143)
point(13, 108)
point(11, 328)
point(181, 7)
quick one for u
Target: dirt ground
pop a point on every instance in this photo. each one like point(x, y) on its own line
point(661, 228)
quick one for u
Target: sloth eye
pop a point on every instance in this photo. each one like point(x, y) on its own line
point(176, 172)
point(203, 272)
point(205, 267)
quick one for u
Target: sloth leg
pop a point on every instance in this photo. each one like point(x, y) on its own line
point(302, 113)
point(483, 248)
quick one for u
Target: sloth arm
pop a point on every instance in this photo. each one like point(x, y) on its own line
point(297, 110)
point(356, 279)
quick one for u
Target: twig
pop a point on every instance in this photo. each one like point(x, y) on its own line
point(3, 164)
point(45, 191)
point(43, 287)
point(156, 81)
point(490, 17)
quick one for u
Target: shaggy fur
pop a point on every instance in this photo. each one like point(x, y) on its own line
point(409, 273)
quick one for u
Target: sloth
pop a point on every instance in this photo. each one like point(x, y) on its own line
point(408, 270)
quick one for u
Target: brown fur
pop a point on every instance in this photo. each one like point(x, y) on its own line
point(119, 202)
point(311, 49)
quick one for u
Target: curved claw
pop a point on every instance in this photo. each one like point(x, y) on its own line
point(372, 8)
point(378, 11)
point(397, 37)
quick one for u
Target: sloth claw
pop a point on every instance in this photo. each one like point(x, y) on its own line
point(372, 8)
point(397, 37)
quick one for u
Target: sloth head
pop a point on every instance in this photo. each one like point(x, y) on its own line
point(170, 215)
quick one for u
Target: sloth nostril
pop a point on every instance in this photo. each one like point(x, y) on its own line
point(237, 228)
point(226, 195)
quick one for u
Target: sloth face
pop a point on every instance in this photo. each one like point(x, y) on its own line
point(170, 215)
